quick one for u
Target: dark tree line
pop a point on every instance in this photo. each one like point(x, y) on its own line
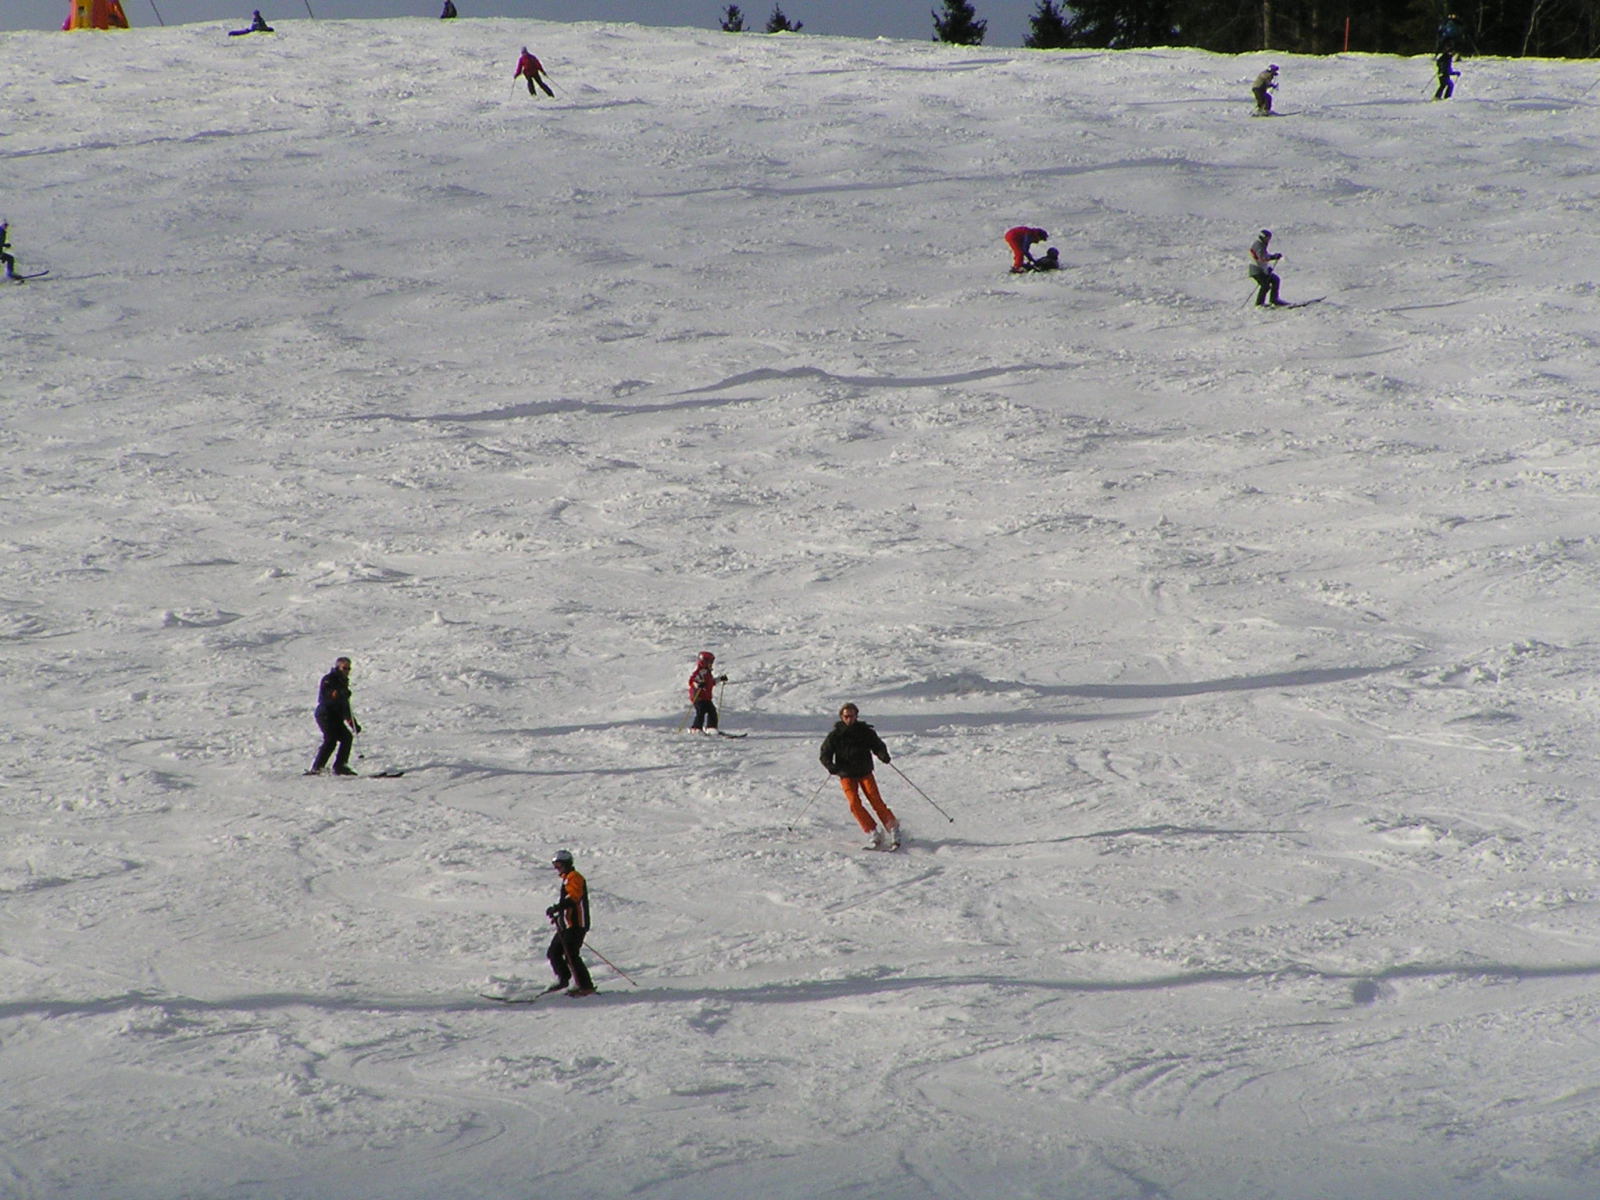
point(1550, 28)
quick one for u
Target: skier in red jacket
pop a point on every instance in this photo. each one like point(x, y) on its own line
point(533, 70)
point(702, 693)
point(1020, 239)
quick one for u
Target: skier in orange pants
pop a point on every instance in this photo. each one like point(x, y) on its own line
point(847, 752)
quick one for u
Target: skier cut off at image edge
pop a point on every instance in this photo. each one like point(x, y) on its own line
point(847, 752)
point(9, 261)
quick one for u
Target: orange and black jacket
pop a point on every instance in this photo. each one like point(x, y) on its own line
point(571, 909)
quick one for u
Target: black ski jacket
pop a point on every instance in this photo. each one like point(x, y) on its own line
point(849, 748)
point(333, 696)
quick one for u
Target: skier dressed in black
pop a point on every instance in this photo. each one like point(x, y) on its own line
point(1450, 34)
point(1447, 75)
point(570, 915)
point(336, 720)
point(9, 261)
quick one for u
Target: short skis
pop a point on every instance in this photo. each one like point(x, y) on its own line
point(18, 278)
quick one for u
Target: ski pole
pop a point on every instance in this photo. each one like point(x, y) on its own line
point(808, 804)
point(923, 794)
point(610, 964)
point(157, 12)
point(308, 10)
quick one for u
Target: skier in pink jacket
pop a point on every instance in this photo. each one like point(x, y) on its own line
point(532, 69)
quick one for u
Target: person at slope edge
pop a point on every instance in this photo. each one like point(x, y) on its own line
point(1266, 83)
point(1261, 260)
point(530, 68)
point(847, 752)
point(258, 24)
point(1021, 239)
point(337, 722)
point(570, 915)
point(702, 693)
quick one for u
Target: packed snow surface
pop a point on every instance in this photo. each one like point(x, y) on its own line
point(1251, 654)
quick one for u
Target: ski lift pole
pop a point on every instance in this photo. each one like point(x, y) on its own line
point(806, 807)
point(923, 794)
point(610, 964)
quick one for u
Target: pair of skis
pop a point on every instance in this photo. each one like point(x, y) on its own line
point(20, 278)
point(535, 997)
point(386, 773)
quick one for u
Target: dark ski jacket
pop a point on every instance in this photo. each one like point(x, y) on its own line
point(333, 696)
point(849, 748)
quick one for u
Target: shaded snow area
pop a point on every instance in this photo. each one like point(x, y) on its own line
point(1250, 652)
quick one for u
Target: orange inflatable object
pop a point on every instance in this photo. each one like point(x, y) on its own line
point(96, 14)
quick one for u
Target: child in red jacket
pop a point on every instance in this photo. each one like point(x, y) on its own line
point(702, 693)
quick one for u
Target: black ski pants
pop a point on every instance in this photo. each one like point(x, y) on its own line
point(565, 960)
point(705, 715)
point(1267, 283)
point(335, 734)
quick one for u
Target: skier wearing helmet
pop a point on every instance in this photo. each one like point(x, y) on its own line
point(1266, 83)
point(570, 915)
point(1266, 279)
point(702, 692)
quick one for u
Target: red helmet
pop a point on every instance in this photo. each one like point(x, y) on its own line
point(707, 657)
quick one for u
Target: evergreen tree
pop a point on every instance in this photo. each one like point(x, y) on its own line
point(1120, 24)
point(778, 23)
point(959, 24)
point(732, 20)
point(1048, 28)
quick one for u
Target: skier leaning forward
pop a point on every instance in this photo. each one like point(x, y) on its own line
point(847, 752)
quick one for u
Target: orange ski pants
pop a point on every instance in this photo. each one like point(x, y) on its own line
point(853, 789)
